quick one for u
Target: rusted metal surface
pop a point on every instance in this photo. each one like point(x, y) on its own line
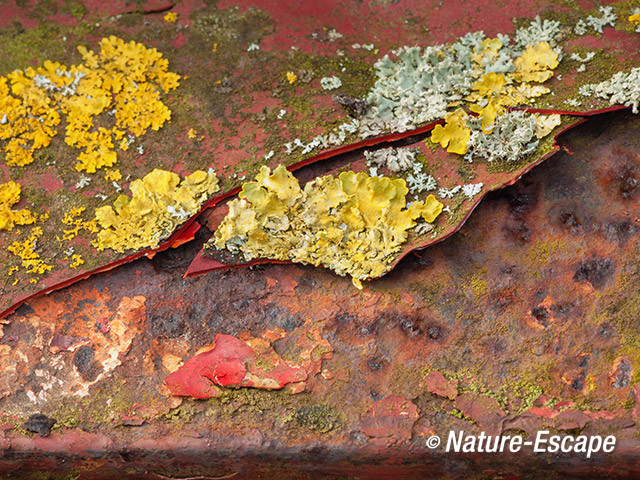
point(526, 318)
point(230, 96)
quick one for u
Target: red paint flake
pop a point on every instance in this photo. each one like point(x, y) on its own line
point(232, 363)
point(437, 384)
point(392, 416)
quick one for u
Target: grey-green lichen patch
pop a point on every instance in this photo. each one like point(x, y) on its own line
point(623, 88)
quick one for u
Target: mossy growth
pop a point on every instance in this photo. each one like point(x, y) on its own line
point(318, 418)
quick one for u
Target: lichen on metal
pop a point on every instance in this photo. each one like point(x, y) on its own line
point(9, 196)
point(353, 224)
point(124, 79)
point(160, 202)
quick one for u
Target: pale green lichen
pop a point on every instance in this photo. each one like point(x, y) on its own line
point(623, 88)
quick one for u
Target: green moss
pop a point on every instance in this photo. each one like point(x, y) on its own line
point(318, 418)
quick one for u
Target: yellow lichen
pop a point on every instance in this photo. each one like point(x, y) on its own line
point(191, 134)
point(123, 79)
point(455, 134)
point(160, 202)
point(112, 174)
point(488, 113)
point(31, 260)
point(73, 219)
point(354, 224)
point(76, 261)
point(171, 17)
point(291, 77)
point(536, 63)
point(9, 196)
point(546, 123)
point(635, 18)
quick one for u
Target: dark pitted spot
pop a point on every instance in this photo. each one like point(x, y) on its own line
point(521, 198)
point(282, 317)
point(410, 328)
point(561, 309)
point(622, 375)
point(376, 362)
point(570, 220)
point(583, 361)
point(620, 231)
point(578, 383)
point(520, 232)
point(375, 395)
point(605, 329)
point(346, 318)
point(596, 271)
point(83, 359)
point(40, 424)
point(435, 332)
point(627, 181)
point(541, 314)
point(168, 325)
point(307, 281)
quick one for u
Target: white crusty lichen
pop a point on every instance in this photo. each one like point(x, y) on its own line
point(415, 85)
point(579, 58)
point(621, 88)
point(418, 181)
point(394, 159)
point(330, 83)
point(472, 189)
point(449, 192)
point(83, 182)
point(607, 17)
point(334, 138)
point(513, 137)
point(539, 31)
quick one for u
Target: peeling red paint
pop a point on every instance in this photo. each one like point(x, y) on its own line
point(231, 362)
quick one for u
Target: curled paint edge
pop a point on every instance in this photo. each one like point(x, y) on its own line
point(202, 264)
point(184, 231)
point(199, 266)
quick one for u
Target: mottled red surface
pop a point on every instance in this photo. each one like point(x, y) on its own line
point(525, 319)
point(528, 313)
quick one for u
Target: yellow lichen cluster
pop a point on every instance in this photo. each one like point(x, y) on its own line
point(76, 261)
point(160, 202)
point(73, 219)
point(171, 17)
point(9, 196)
point(112, 174)
point(492, 91)
point(354, 224)
point(124, 80)
point(291, 77)
point(31, 260)
point(455, 134)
